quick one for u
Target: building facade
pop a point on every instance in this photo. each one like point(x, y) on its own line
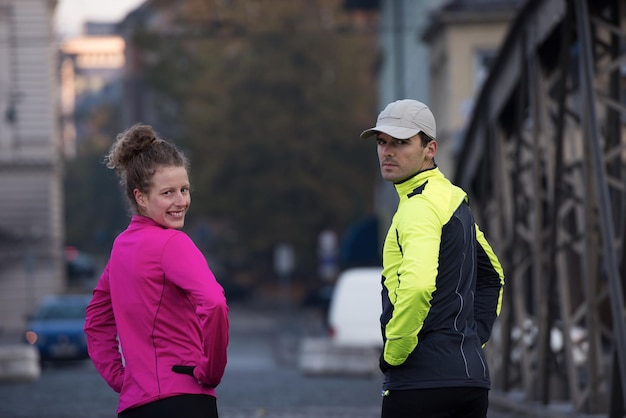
point(32, 224)
point(91, 69)
point(463, 38)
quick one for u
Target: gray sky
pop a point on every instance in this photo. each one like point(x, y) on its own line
point(70, 14)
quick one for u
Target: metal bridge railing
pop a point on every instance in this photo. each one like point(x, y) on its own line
point(545, 164)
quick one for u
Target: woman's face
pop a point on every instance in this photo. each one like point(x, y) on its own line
point(168, 199)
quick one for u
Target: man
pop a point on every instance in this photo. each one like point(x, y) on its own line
point(442, 282)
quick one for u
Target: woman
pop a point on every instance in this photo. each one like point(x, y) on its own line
point(157, 325)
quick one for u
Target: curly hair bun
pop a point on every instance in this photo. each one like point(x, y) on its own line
point(140, 136)
point(129, 144)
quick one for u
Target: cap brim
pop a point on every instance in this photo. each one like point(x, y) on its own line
point(393, 131)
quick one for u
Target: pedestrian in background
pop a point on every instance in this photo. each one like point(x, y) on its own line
point(442, 282)
point(157, 296)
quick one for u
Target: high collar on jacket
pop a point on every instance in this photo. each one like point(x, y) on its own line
point(417, 181)
point(140, 221)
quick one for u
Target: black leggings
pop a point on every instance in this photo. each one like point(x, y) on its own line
point(188, 406)
point(436, 403)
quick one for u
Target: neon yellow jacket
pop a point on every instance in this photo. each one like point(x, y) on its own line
point(442, 288)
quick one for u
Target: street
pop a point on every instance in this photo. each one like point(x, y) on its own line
point(261, 380)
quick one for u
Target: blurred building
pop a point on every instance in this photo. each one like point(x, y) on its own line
point(31, 225)
point(463, 38)
point(91, 71)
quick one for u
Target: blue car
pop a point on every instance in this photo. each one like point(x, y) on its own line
point(56, 328)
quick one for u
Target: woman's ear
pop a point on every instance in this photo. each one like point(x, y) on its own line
point(140, 198)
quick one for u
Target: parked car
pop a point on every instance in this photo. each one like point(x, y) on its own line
point(56, 328)
point(78, 265)
point(355, 308)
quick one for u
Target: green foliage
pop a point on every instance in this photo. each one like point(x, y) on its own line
point(271, 97)
point(94, 210)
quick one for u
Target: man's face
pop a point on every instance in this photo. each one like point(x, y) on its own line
point(401, 158)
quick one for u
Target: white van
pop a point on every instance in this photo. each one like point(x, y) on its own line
point(355, 308)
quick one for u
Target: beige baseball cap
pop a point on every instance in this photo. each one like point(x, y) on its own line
point(403, 119)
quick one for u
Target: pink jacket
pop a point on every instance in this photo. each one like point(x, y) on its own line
point(158, 295)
